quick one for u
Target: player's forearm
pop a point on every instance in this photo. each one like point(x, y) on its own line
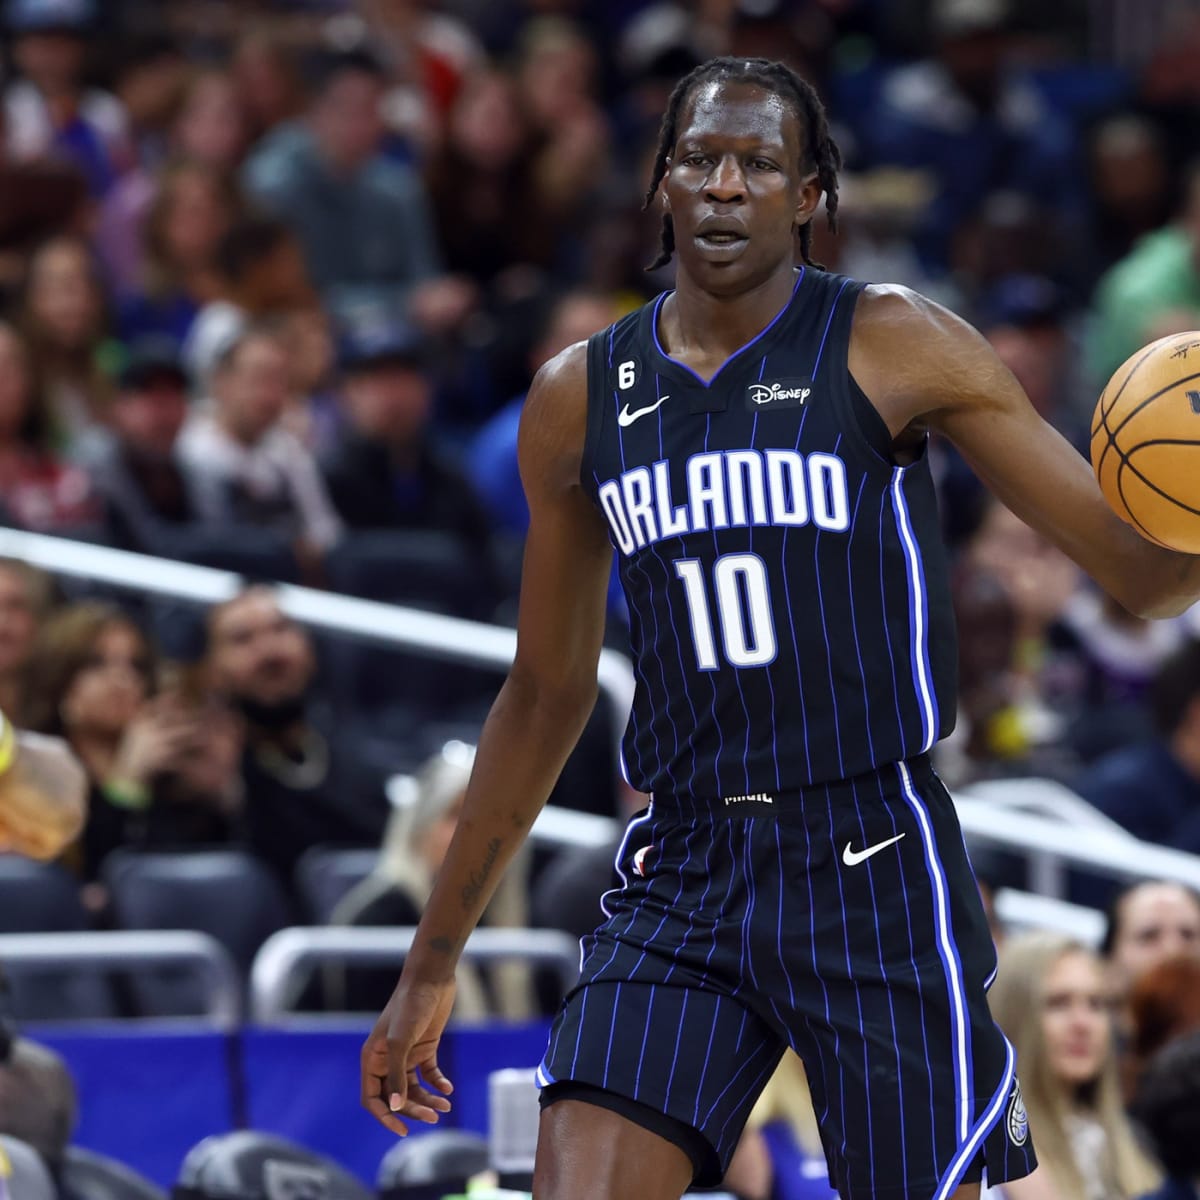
point(525, 741)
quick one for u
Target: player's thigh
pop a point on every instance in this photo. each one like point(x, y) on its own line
point(913, 1083)
point(586, 1152)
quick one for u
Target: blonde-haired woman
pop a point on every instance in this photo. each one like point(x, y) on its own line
point(395, 893)
point(1051, 1000)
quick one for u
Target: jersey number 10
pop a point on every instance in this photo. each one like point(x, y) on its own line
point(743, 608)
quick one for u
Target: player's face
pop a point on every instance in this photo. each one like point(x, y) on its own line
point(1157, 921)
point(734, 186)
point(1075, 1020)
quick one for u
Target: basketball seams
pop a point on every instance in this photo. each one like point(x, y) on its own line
point(1104, 409)
point(1125, 503)
point(1128, 461)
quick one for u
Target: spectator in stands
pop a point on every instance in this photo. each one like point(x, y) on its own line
point(1035, 692)
point(38, 490)
point(26, 597)
point(50, 111)
point(1131, 186)
point(363, 220)
point(1163, 1005)
point(1159, 276)
point(244, 468)
point(574, 317)
point(261, 274)
point(1051, 1001)
point(194, 208)
point(315, 415)
point(303, 787)
point(414, 847)
point(38, 1104)
point(386, 470)
point(64, 321)
point(1121, 655)
point(1148, 923)
point(780, 1156)
point(162, 763)
point(209, 132)
point(148, 498)
point(269, 89)
point(1168, 1109)
point(557, 75)
point(484, 173)
point(1152, 789)
point(149, 79)
point(964, 117)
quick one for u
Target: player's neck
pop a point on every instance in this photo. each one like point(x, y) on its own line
point(694, 321)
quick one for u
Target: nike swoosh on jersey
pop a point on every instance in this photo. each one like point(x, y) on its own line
point(853, 857)
point(626, 418)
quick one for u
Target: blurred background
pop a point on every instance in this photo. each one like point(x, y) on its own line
point(274, 279)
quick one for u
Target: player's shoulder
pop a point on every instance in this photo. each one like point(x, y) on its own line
point(892, 321)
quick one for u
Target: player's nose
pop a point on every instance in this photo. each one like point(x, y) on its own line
point(727, 183)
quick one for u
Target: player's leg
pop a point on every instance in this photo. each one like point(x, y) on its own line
point(653, 1032)
point(914, 1085)
point(589, 1152)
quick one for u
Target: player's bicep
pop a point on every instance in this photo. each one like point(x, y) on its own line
point(1028, 464)
point(568, 557)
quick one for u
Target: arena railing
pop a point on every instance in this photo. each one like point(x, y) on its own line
point(286, 960)
point(134, 950)
point(412, 629)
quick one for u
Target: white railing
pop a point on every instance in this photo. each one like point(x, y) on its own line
point(133, 950)
point(412, 629)
point(286, 959)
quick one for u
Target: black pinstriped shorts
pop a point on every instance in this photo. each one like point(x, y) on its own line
point(844, 921)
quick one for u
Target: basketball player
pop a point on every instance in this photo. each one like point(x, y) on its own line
point(753, 445)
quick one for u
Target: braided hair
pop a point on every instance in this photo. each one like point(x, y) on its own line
point(820, 152)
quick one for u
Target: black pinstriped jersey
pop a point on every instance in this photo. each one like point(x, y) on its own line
point(787, 588)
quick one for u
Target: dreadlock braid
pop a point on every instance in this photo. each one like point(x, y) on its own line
point(820, 150)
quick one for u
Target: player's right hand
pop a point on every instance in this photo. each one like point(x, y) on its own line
point(399, 1059)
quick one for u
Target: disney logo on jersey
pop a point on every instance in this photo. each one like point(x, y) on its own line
point(780, 393)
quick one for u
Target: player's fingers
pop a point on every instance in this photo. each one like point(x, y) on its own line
point(434, 1076)
point(421, 1096)
point(380, 1111)
point(396, 1071)
point(379, 1079)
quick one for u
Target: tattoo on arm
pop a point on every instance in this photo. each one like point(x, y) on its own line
point(475, 884)
point(443, 945)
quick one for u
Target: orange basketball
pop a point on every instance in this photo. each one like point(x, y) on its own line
point(1146, 442)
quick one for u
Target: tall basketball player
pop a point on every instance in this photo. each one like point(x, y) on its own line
point(753, 445)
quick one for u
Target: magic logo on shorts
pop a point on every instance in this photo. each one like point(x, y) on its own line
point(1018, 1121)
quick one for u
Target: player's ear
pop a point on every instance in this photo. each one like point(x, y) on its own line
point(662, 189)
point(808, 198)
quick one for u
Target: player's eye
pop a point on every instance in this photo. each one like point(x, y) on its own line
point(763, 164)
point(695, 160)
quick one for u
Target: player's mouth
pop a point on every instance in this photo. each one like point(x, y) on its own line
point(720, 241)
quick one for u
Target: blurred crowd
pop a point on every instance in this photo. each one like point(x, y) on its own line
point(274, 279)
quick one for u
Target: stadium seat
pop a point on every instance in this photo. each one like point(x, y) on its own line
point(224, 893)
point(324, 875)
point(43, 898)
point(22, 1170)
point(97, 1177)
point(436, 1164)
point(260, 1166)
